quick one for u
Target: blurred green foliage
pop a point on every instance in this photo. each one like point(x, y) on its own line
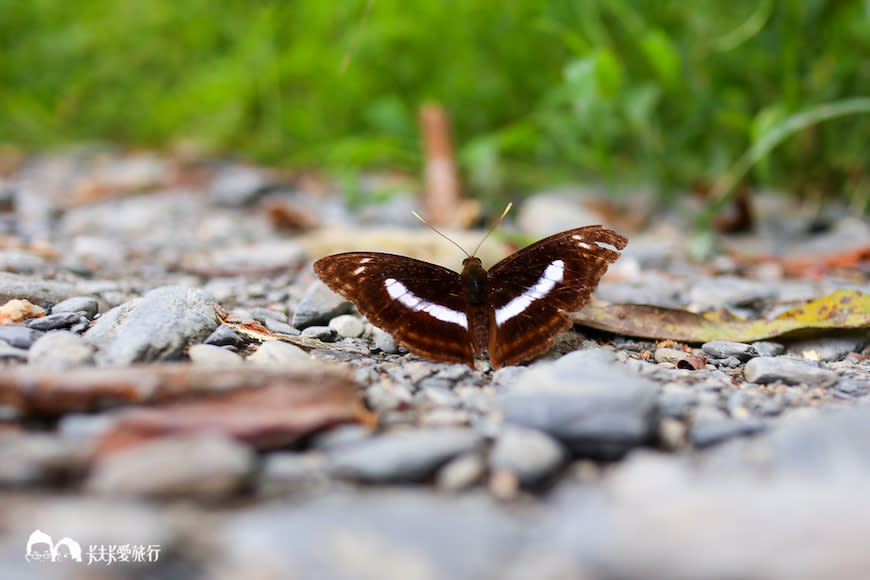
point(668, 93)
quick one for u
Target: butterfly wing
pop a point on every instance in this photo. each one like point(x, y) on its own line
point(533, 290)
point(420, 304)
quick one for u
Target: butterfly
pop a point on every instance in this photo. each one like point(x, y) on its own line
point(512, 312)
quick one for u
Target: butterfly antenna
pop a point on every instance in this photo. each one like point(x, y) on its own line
point(434, 229)
point(495, 225)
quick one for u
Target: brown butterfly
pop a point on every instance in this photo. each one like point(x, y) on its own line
point(513, 312)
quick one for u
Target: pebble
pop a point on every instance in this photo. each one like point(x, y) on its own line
point(588, 400)
point(324, 333)
point(401, 455)
point(346, 326)
point(767, 348)
point(60, 350)
point(224, 335)
point(277, 353)
point(20, 262)
point(281, 327)
point(35, 459)
point(11, 353)
point(828, 348)
point(19, 336)
point(721, 291)
point(669, 355)
point(84, 305)
point(34, 290)
point(73, 321)
point(237, 186)
point(203, 466)
point(531, 455)
point(290, 472)
point(763, 370)
point(722, 349)
point(318, 306)
point(461, 472)
point(385, 342)
point(211, 355)
point(158, 326)
point(711, 432)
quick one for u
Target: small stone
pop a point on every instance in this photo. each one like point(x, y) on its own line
point(404, 455)
point(34, 290)
point(676, 404)
point(768, 348)
point(19, 336)
point(263, 314)
point(281, 327)
point(28, 459)
point(669, 355)
point(225, 335)
point(828, 348)
point(12, 354)
point(205, 466)
point(763, 370)
point(722, 349)
point(324, 333)
point(18, 310)
point(347, 326)
point(319, 305)
point(277, 353)
point(386, 343)
point(709, 433)
point(84, 305)
point(461, 472)
point(211, 355)
point(61, 350)
point(672, 434)
point(288, 472)
point(73, 321)
point(338, 436)
point(531, 455)
point(237, 186)
point(158, 326)
point(21, 262)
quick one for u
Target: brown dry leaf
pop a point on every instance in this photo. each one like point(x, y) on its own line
point(19, 309)
point(273, 416)
point(52, 393)
point(844, 309)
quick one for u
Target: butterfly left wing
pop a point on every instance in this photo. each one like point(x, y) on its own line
point(420, 304)
point(533, 290)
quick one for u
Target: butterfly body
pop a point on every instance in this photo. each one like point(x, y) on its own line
point(512, 312)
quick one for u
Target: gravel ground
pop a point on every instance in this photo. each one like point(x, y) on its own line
point(139, 420)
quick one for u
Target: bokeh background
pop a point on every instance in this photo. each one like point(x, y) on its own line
point(673, 95)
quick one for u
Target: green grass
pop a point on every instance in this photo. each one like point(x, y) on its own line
point(667, 93)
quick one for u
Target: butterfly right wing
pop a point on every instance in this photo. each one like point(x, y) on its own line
point(420, 304)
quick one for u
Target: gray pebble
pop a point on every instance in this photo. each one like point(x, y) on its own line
point(35, 290)
point(263, 314)
point(19, 336)
point(205, 466)
point(829, 348)
point(764, 370)
point(11, 353)
point(61, 350)
point(397, 456)
point(386, 343)
point(277, 353)
point(588, 400)
point(211, 355)
point(281, 327)
point(288, 472)
point(338, 436)
point(722, 349)
point(158, 326)
point(28, 459)
point(530, 455)
point(709, 433)
point(319, 305)
point(324, 333)
point(461, 472)
point(73, 321)
point(84, 305)
point(768, 348)
point(20, 262)
point(225, 335)
point(347, 326)
point(237, 186)
point(713, 293)
point(853, 387)
point(674, 404)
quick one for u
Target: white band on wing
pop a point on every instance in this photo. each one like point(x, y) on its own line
point(553, 274)
point(400, 292)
